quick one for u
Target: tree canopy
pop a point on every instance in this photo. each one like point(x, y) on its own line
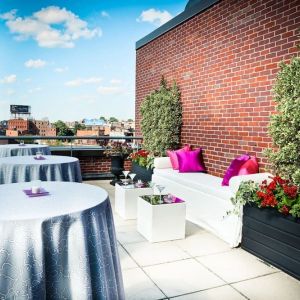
point(62, 129)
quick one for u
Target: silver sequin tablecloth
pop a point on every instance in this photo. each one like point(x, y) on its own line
point(25, 168)
point(27, 149)
point(61, 246)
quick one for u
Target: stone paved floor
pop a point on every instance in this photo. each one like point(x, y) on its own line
point(199, 267)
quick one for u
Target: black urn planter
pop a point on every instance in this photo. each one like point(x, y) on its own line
point(142, 173)
point(117, 167)
point(272, 237)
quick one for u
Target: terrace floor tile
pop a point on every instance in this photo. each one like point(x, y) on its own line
point(126, 261)
point(181, 277)
point(224, 292)
point(138, 286)
point(127, 236)
point(276, 286)
point(203, 243)
point(236, 265)
point(147, 254)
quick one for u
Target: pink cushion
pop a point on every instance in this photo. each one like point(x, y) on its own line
point(173, 156)
point(249, 167)
point(234, 168)
point(190, 161)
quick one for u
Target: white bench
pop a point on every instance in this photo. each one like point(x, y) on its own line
point(207, 201)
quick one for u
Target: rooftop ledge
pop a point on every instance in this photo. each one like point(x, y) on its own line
point(193, 8)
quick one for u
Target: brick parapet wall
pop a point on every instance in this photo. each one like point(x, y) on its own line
point(225, 61)
point(96, 165)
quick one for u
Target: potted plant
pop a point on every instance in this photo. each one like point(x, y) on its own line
point(118, 152)
point(271, 222)
point(161, 218)
point(271, 226)
point(161, 121)
point(142, 165)
point(284, 125)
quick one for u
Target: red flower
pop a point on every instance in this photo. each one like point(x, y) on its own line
point(260, 194)
point(279, 180)
point(285, 210)
point(290, 191)
point(272, 186)
point(135, 156)
point(271, 195)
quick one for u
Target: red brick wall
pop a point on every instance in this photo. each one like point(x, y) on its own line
point(97, 165)
point(225, 62)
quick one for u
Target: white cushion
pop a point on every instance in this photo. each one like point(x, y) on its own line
point(162, 163)
point(235, 181)
point(200, 181)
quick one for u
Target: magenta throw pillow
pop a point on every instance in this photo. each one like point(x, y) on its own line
point(190, 161)
point(234, 168)
point(249, 167)
point(173, 156)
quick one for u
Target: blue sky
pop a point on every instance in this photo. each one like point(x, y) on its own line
point(74, 59)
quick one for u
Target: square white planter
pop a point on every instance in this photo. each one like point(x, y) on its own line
point(162, 222)
point(126, 200)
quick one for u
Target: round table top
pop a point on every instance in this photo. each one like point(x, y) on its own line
point(17, 146)
point(29, 160)
point(64, 198)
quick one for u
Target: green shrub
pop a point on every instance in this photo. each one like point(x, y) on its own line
point(161, 119)
point(284, 126)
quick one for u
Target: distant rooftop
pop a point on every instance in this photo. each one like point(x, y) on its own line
point(94, 122)
point(192, 8)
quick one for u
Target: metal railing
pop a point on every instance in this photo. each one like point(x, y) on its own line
point(80, 150)
point(71, 147)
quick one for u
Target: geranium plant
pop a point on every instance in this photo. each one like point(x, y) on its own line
point(280, 194)
point(118, 148)
point(143, 158)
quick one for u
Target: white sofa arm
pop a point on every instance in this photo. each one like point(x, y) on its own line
point(162, 163)
point(235, 181)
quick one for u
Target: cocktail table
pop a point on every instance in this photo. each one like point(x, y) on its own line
point(126, 199)
point(161, 222)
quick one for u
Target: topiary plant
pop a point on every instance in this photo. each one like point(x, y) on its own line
point(161, 119)
point(284, 126)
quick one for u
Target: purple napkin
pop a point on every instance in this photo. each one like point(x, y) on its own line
point(172, 199)
point(142, 185)
point(177, 200)
point(40, 158)
point(42, 192)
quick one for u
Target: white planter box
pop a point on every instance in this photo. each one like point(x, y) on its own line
point(126, 200)
point(163, 222)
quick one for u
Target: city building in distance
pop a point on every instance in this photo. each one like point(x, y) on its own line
point(21, 123)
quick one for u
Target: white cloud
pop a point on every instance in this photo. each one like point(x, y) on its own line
point(115, 81)
point(50, 27)
point(9, 79)
point(109, 90)
point(61, 70)
point(154, 16)
point(38, 63)
point(10, 15)
point(105, 14)
point(93, 80)
point(10, 92)
point(34, 90)
point(82, 81)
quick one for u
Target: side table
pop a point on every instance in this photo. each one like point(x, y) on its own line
point(161, 222)
point(126, 199)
